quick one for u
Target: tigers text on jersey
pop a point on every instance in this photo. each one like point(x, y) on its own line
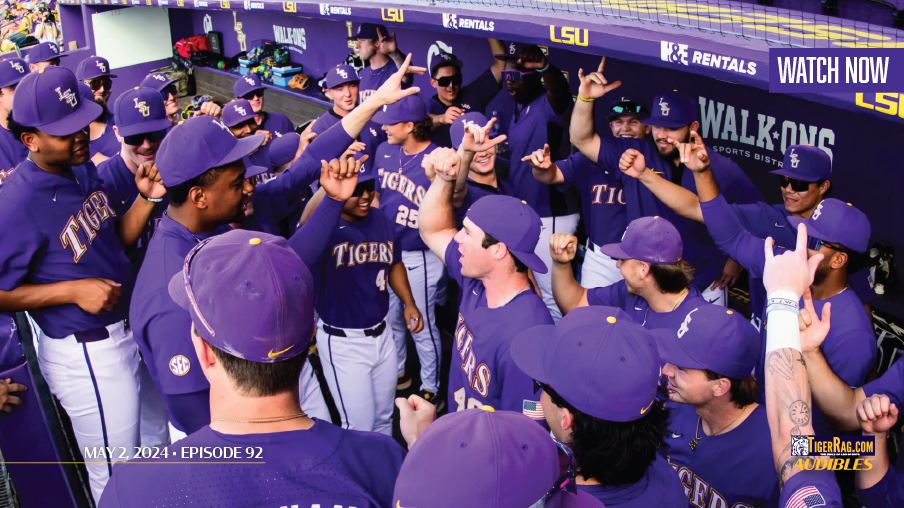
point(402, 183)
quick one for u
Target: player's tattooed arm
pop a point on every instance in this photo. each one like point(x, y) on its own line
point(566, 291)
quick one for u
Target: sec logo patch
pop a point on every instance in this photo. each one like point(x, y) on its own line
point(179, 365)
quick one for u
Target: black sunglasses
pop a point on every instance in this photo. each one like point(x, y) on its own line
point(796, 185)
point(138, 139)
point(169, 89)
point(254, 93)
point(362, 187)
point(449, 80)
point(96, 83)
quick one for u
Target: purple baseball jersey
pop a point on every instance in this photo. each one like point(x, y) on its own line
point(888, 493)
point(602, 198)
point(699, 249)
point(402, 185)
point(529, 128)
point(324, 465)
point(259, 158)
point(811, 489)
point(276, 124)
point(616, 295)
point(160, 327)
point(472, 97)
point(371, 79)
point(709, 474)
point(372, 134)
point(477, 191)
point(122, 191)
point(352, 276)
point(850, 346)
point(12, 152)
point(891, 383)
point(106, 144)
point(488, 374)
point(659, 487)
point(59, 228)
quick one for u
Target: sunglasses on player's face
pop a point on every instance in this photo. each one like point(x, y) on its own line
point(253, 94)
point(169, 90)
point(796, 185)
point(362, 187)
point(514, 76)
point(445, 81)
point(138, 139)
point(816, 244)
point(96, 84)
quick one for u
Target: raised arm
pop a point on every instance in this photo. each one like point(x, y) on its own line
point(389, 92)
point(565, 290)
point(130, 226)
point(682, 201)
point(497, 47)
point(557, 92)
point(436, 222)
point(583, 129)
point(877, 415)
point(476, 139)
point(388, 45)
point(544, 169)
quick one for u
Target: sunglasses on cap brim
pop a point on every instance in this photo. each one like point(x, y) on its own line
point(449, 80)
point(138, 139)
point(796, 185)
point(515, 76)
point(362, 187)
point(627, 108)
point(253, 94)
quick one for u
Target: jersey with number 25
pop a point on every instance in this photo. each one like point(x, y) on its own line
point(403, 184)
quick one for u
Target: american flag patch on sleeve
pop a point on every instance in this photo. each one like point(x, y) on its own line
point(533, 409)
point(806, 497)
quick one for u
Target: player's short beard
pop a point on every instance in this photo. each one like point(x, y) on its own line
point(822, 272)
point(671, 152)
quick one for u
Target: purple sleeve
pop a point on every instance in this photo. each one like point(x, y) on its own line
point(21, 242)
point(452, 264)
point(312, 239)
point(734, 183)
point(191, 411)
point(819, 484)
point(850, 356)
point(168, 333)
point(731, 238)
point(888, 493)
point(327, 146)
point(611, 150)
point(567, 169)
point(611, 296)
point(891, 383)
point(516, 385)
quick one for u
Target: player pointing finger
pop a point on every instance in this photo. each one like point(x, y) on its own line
point(595, 85)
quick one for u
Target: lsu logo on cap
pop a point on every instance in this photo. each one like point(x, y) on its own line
point(795, 159)
point(373, 132)
point(54, 48)
point(249, 80)
point(341, 72)
point(240, 110)
point(67, 96)
point(179, 365)
point(18, 67)
point(142, 107)
point(818, 211)
point(664, 107)
point(684, 326)
point(101, 66)
point(512, 48)
point(222, 126)
point(159, 77)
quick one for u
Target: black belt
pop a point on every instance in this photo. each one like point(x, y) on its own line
point(92, 335)
point(370, 332)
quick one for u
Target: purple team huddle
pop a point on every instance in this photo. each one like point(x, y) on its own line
point(225, 282)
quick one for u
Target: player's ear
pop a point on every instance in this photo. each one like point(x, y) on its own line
point(30, 140)
point(567, 419)
point(722, 386)
point(839, 259)
point(644, 269)
point(695, 126)
point(205, 355)
point(197, 197)
point(647, 130)
point(116, 132)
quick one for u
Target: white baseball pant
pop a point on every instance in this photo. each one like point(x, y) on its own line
point(598, 269)
point(98, 385)
point(424, 272)
point(360, 369)
point(563, 224)
point(154, 426)
point(309, 395)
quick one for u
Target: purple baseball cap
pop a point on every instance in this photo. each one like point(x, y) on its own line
point(807, 163)
point(512, 50)
point(513, 222)
point(139, 111)
point(457, 129)
point(444, 59)
point(504, 458)
point(44, 52)
point(237, 111)
point(252, 171)
point(283, 148)
point(198, 144)
point(12, 70)
point(835, 221)
point(648, 239)
point(369, 31)
point(628, 105)
point(229, 277)
point(340, 75)
point(93, 67)
point(597, 358)
point(157, 80)
point(48, 101)
point(85, 92)
point(409, 109)
point(672, 110)
point(246, 84)
point(711, 337)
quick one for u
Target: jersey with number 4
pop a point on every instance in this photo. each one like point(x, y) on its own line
point(403, 184)
point(352, 276)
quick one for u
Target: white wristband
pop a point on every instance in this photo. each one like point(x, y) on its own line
point(782, 329)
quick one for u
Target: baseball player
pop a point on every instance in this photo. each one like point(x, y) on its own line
point(283, 151)
point(252, 366)
point(102, 142)
point(656, 290)
point(602, 197)
point(65, 264)
point(452, 99)
point(788, 408)
point(840, 232)
point(881, 486)
point(542, 98)
point(12, 151)
point(454, 451)
point(481, 179)
point(599, 371)
point(673, 118)
point(804, 183)
point(381, 53)
point(353, 275)
point(242, 122)
point(716, 428)
point(489, 259)
point(250, 88)
point(403, 183)
point(95, 72)
point(44, 54)
point(168, 90)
